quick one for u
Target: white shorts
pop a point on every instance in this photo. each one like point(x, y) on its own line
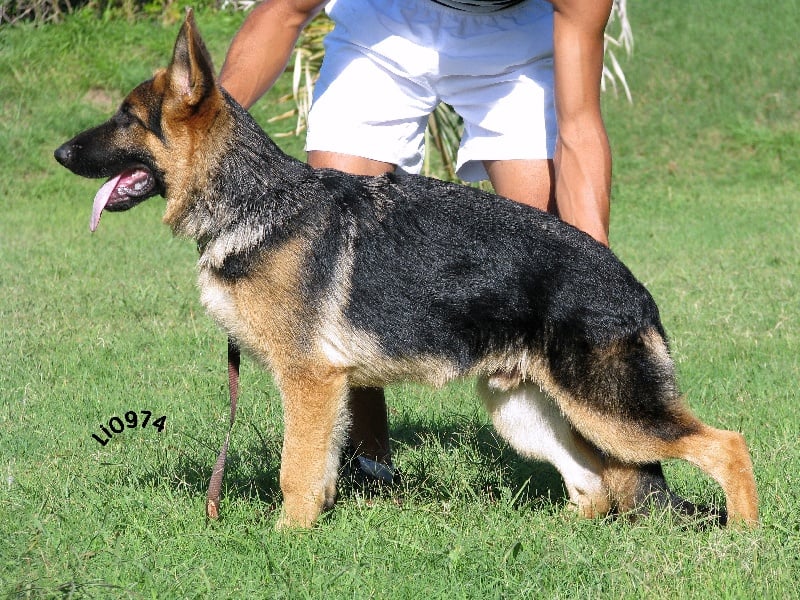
point(388, 63)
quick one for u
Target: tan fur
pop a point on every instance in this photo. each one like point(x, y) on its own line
point(621, 479)
point(198, 159)
point(724, 456)
point(315, 425)
point(263, 311)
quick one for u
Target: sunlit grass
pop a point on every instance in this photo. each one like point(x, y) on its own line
point(92, 326)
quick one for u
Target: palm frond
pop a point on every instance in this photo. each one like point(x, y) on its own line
point(618, 35)
point(238, 4)
point(443, 134)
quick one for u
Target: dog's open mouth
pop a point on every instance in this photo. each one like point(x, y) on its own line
point(122, 192)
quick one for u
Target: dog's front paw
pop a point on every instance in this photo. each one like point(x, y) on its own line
point(300, 511)
point(286, 523)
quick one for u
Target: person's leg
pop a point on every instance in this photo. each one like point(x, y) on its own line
point(355, 165)
point(369, 429)
point(529, 181)
point(368, 118)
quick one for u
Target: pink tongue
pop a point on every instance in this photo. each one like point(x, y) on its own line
point(101, 199)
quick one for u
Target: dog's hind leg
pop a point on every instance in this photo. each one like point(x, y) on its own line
point(636, 488)
point(722, 455)
point(533, 425)
point(626, 403)
point(315, 427)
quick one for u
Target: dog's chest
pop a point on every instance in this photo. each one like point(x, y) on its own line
point(218, 300)
point(260, 311)
point(226, 303)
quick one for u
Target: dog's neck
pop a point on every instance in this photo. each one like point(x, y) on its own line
point(255, 192)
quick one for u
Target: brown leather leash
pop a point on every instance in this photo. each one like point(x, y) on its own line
point(215, 485)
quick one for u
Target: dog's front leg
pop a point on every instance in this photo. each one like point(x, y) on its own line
point(315, 426)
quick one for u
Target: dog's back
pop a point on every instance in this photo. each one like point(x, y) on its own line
point(443, 270)
point(487, 263)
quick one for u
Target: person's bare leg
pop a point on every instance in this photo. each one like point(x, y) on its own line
point(526, 181)
point(533, 182)
point(355, 165)
point(369, 431)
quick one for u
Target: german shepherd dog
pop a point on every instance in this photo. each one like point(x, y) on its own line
point(335, 281)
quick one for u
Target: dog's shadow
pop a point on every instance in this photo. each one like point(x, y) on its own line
point(448, 462)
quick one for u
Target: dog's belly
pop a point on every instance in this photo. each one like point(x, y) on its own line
point(360, 353)
point(368, 364)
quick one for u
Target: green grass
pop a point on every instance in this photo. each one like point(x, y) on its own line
point(706, 208)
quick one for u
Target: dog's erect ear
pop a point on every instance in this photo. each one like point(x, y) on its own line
point(191, 73)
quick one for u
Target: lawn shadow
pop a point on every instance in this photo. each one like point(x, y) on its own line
point(461, 458)
point(465, 457)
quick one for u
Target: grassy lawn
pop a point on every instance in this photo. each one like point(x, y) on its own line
point(706, 210)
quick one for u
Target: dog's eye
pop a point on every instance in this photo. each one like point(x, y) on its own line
point(125, 117)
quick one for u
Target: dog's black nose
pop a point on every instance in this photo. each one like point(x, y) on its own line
point(64, 154)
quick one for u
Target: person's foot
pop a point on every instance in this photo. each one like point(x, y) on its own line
point(366, 472)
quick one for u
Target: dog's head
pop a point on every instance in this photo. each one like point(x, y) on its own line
point(159, 138)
